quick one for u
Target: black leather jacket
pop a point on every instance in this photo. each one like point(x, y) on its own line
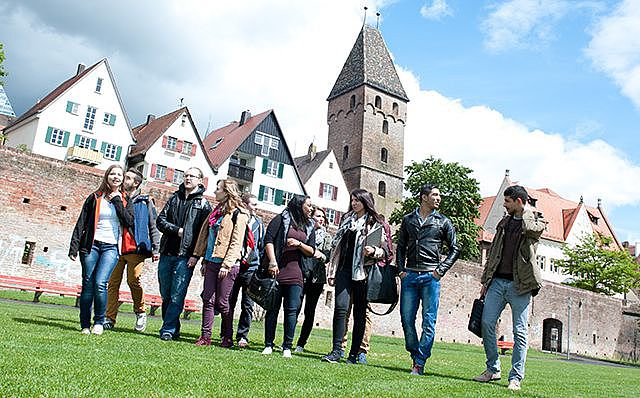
point(419, 246)
point(184, 212)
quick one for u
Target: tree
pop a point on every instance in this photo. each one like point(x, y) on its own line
point(460, 199)
point(2, 72)
point(600, 267)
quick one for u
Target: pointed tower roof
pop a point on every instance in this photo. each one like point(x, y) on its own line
point(369, 63)
point(5, 105)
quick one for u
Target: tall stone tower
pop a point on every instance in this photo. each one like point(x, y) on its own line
point(366, 116)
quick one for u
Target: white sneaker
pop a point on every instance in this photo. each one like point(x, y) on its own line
point(85, 331)
point(97, 330)
point(141, 322)
point(299, 349)
point(268, 351)
point(514, 385)
point(286, 353)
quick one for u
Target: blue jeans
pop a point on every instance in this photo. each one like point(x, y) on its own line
point(418, 286)
point(97, 266)
point(291, 295)
point(501, 292)
point(173, 277)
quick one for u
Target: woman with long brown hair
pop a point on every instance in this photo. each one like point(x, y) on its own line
point(220, 244)
point(97, 236)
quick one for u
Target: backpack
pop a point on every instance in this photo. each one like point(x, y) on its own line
point(248, 243)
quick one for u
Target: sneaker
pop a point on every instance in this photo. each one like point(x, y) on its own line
point(97, 330)
point(166, 336)
point(203, 341)
point(362, 358)
point(286, 353)
point(487, 376)
point(299, 349)
point(141, 322)
point(514, 385)
point(226, 343)
point(333, 357)
point(352, 360)
point(417, 370)
point(243, 343)
point(267, 351)
point(108, 324)
point(85, 331)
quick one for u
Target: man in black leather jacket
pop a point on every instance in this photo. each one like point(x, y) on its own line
point(179, 221)
point(419, 261)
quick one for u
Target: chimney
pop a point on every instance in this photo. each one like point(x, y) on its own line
point(506, 173)
point(81, 68)
point(599, 203)
point(150, 118)
point(246, 115)
point(312, 151)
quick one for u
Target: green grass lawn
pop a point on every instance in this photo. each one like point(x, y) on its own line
point(42, 353)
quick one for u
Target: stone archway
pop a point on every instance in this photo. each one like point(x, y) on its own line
point(552, 335)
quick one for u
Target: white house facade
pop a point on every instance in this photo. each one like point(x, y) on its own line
point(83, 120)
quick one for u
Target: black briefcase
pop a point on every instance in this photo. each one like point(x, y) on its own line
point(475, 319)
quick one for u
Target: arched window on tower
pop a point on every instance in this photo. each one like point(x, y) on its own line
point(395, 108)
point(384, 154)
point(345, 152)
point(352, 102)
point(382, 189)
point(378, 102)
point(385, 127)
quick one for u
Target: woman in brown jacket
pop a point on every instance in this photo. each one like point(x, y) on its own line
point(220, 244)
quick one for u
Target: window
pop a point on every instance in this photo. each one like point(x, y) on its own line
point(178, 176)
point(384, 155)
point(345, 152)
point(72, 107)
point(385, 127)
point(109, 119)
point(331, 216)
point(83, 142)
point(269, 195)
point(187, 147)
point(328, 191)
point(286, 197)
point(90, 118)
point(541, 262)
point(57, 137)
point(99, 85)
point(378, 102)
point(272, 168)
point(394, 108)
point(352, 102)
point(330, 165)
point(172, 143)
point(553, 266)
point(161, 172)
point(267, 142)
point(111, 151)
point(27, 253)
point(382, 189)
point(218, 142)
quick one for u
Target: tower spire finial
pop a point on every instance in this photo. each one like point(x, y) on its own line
point(377, 20)
point(364, 20)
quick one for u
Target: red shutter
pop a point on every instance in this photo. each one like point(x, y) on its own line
point(153, 170)
point(193, 149)
point(334, 196)
point(179, 145)
point(169, 174)
point(321, 189)
point(164, 141)
point(205, 181)
point(338, 217)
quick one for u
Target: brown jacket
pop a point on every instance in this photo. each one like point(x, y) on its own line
point(526, 273)
point(229, 239)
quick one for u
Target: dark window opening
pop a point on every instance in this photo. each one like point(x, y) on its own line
point(385, 127)
point(352, 102)
point(384, 155)
point(345, 152)
point(63, 208)
point(378, 102)
point(26, 200)
point(45, 249)
point(394, 108)
point(382, 189)
point(27, 254)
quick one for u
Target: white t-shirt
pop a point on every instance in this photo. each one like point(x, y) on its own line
point(108, 228)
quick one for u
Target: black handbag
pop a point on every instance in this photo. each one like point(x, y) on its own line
point(382, 287)
point(264, 290)
point(475, 318)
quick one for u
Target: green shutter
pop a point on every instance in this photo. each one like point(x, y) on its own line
point(69, 106)
point(93, 143)
point(278, 200)
point(280, 170)
point(265, 162)
point(261, 193)
point(118, 152)
point(112, 120)
point(103, 147)
point(76, 140)
point(48, 137)
point(65, 139)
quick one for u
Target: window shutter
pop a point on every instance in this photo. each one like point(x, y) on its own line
point(193, 149)
point(280, 170)
point(335, 194)
point(103, 147)
point(321, 190)
point(93, 143)
point(153, 170)
point(261, 193)
point(118, 152)
point(112, 119)
point(164, 141)
point(265, 161)
point(65, 139)
point(48, 137)
point(179, 146)
point(338, 217)
point(69, 106)
point(76, 140)
point(169, 174)
point(278, 200)
point(205, 182)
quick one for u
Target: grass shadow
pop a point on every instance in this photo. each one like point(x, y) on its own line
point(56, 324)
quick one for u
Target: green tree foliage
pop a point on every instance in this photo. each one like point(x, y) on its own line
point(597, 265)
point(460, 199)
point(2, 72)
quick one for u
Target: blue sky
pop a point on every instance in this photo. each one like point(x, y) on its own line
point(549, 89)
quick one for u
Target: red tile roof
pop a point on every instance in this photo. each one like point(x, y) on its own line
point(147, 134)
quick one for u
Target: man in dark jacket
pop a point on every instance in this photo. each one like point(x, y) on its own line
point(419, 262)
point(179, 221)
point(138, 244)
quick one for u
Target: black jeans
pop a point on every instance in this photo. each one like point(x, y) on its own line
point(289, 296)
point(311, 293)
point(346, 287)
point(246, 312)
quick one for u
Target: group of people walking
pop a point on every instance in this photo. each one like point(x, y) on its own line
point(119, 226)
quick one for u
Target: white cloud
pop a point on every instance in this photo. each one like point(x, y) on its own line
point(437, 10)
point(528, 23)
point(615, 48)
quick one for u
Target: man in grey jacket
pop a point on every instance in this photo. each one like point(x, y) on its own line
point(420, 239)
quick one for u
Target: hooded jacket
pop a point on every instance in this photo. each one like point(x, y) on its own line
point(144, 237)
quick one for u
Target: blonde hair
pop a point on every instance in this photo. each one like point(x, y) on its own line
point(233, 198)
